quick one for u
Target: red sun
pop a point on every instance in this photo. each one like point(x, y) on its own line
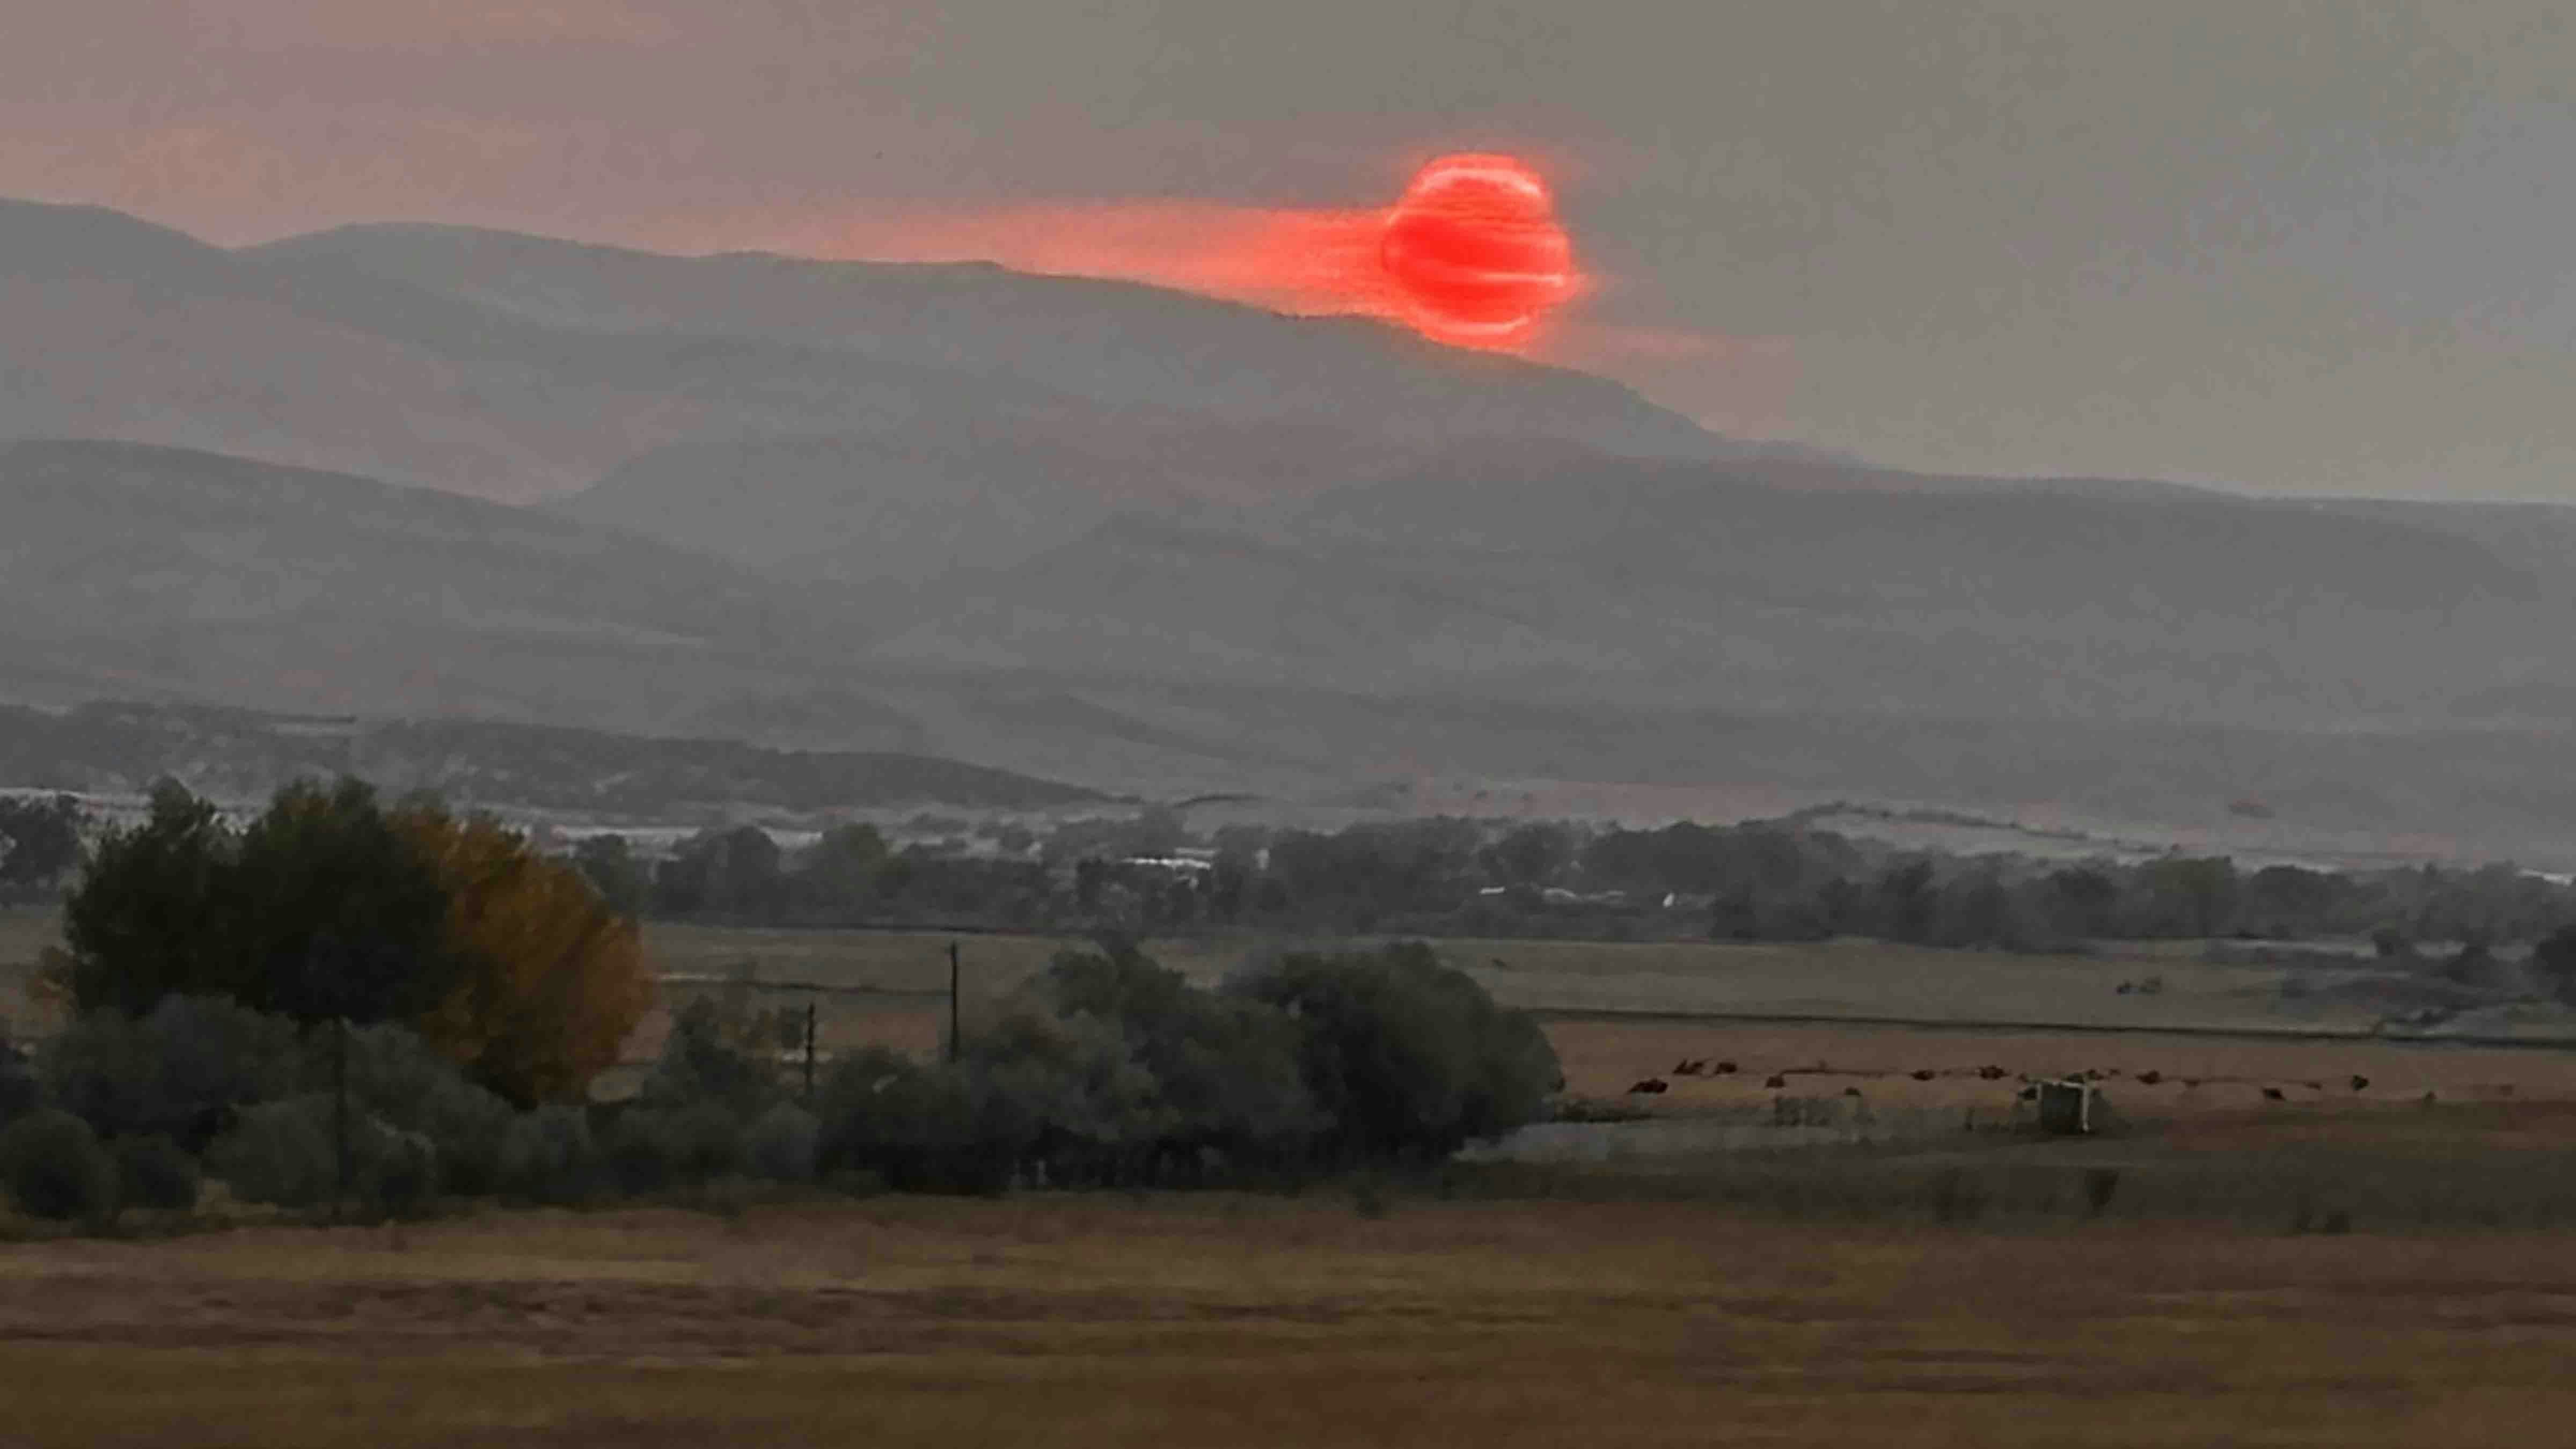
point(1475, 251)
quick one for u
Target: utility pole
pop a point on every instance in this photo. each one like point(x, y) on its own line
point(327, 965)
point(340, 1112)
point(809, 1050)
point(952, 1001)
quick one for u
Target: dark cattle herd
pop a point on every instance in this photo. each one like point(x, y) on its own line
point(1658, 1085)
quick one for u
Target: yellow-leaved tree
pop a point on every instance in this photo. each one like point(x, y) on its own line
point(552, 979)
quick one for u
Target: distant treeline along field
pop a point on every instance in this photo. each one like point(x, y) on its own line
point(1149, 873)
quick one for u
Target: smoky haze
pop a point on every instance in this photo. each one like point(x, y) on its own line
point(407, 363)
point(2278, 248)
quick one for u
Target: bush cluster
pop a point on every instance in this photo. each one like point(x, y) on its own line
point(1112, 1070)
point(1105, 1070)
point(155, 1172)
point(55, 1168)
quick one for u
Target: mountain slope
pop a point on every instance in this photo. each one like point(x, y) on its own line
point(1559, 574)
point(141, 569)
point(851, 420)
point(1117, 344)
point(235, 754)
point(124, 331)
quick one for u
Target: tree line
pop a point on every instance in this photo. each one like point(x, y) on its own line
point(1762, 881)
point(1753, 882)
point(396, 1005)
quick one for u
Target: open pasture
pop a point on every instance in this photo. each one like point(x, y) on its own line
point(1048, 1320)
point(2145, 1074)
point(1861, 980)
point(1857, 979)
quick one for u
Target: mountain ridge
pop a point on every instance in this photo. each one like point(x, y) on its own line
point(1191, 545)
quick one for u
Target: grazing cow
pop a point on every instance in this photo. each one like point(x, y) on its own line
point(1775, 1080)
point(2359, 1081)
point(1926, 1074)
point(1726, 1069)
point(2151, 1077)
point(2428, 1099)
point(1991, 1074)
point(1684, 1067)
point(1851, 1091)
point(2273, 1094)
point(1649, 1087)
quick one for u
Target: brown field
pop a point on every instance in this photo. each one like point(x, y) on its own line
point(1848, 978)
point(1602, 1058)
point(1249, 1322)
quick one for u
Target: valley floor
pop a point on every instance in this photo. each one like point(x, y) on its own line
point(1263, 1321)
point(2348, 1265)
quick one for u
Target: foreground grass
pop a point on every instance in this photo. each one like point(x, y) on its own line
point(1257, 1321)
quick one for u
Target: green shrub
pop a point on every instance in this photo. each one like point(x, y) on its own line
point(20, 1090)
point(178, 1071)
point(155, 1172)
point(54, 1168)
point(636, 1151)
point(401, 1080)
point(398, 1171)
point(1225, 1070)
point(287, 1154)
point(1410, 1059)
point(648, 1148)
point(917, 1128)
point(699, 1063)
point(548, 1156)
point(705, 1142)
point(281, 1153)
point(1065, 1095)
point(779, 1147)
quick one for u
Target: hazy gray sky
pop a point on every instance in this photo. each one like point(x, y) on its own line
point(2288, 246)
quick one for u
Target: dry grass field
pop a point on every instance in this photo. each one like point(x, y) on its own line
point(1841, 979)
point(1835, 978)
point(1250, 1322)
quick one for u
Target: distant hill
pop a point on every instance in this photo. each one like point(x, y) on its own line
point(515, 367)
point(1119, 345)
point(1553, 574)
point(242, 754)
point(129, 571)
